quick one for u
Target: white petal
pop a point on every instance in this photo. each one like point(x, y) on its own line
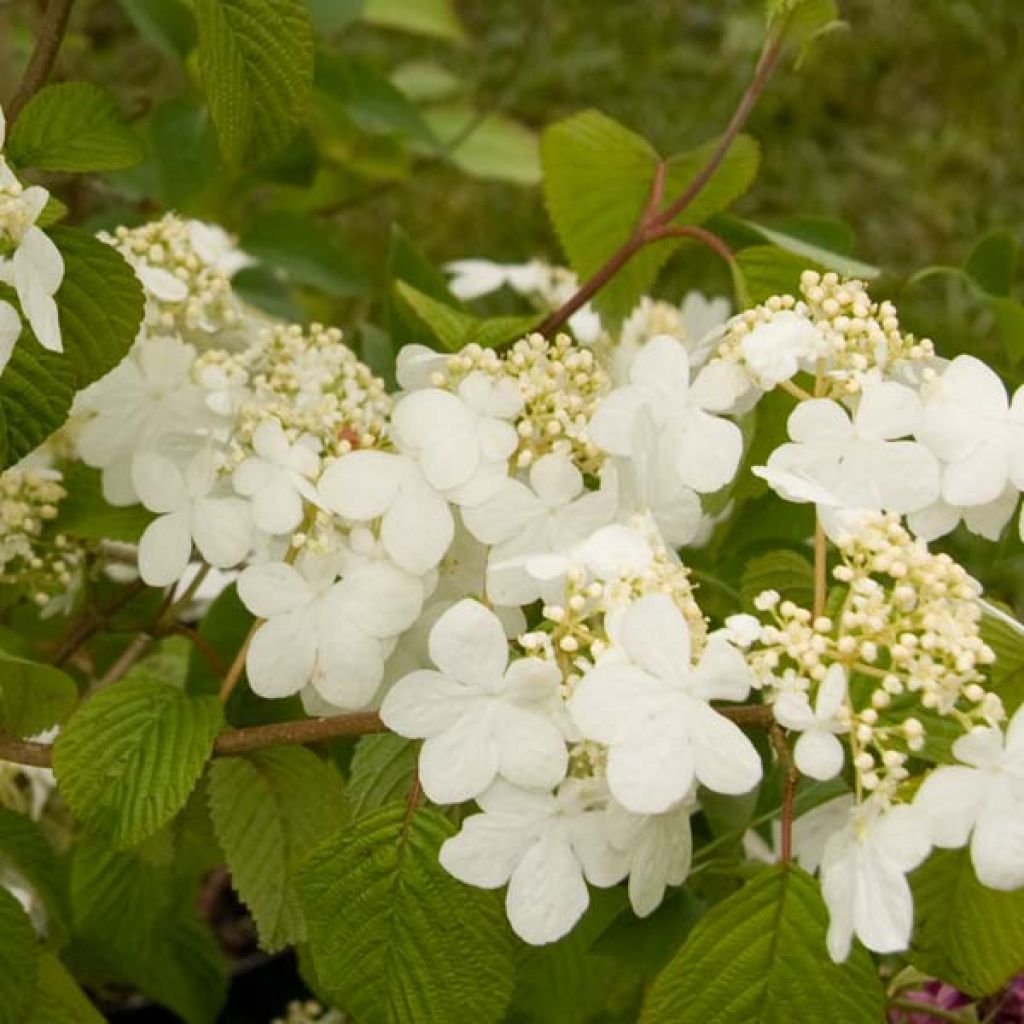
point(656, 637)
point(950, 799)
point(423, 704)
point(469, 644)
point(722, 673)
point(883, 907)
point(819, 755)
point(887, 411)
point(350, 664)
point(273, 588)
point(794, 711)
point(362, 485)
point(997, 849)
point(819, 419)
point(281, 656)
point(613, 701)
point(418, 528)
point(979, 478)
point(164, 549)
point(162, 284)
point(611, 426)
point(546, 894)
point(725, 760)
point(652, 770)
point(222, 530)
point(158, 482)
point(382, 599)
point(460, 762)
point(708, 451)
point(509, 512)
point(556, 480)
point(10, 331)
point(531, 749)
point(486, 850)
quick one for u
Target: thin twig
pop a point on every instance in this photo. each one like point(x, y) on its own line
point(820, 568)
point(87, 628)
point(234, 673)
point(40, 64)
point(129, 656)
point(789, 777)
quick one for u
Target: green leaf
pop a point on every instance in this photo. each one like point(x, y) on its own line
point(184, 150)
point(100, 304)
point(789, 573)
point(33, 697)
point(992, 263)
point(134, 923)
point(306, 250)
point(269, 809)
point(168, 24)
point(407, 263)
point(25, 849)
point(435, 18)
point(58, 997)
point(597, 180)
point(86, 514)
point(768, 271)
point(331, 15)
point(813, 254)
point(1009, 318)
point(18, 960)
point(382, 769)
point(966, 934)
point(73, 126)
point(494, 147)
point(760, 956)
point(256, 65)
point(393, 937)
point(454, 329)
point(128, 759)
point(806, 20)
point(1005, 635)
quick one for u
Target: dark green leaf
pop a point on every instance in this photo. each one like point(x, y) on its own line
point(25, 849)
point(382, 769)
point(58, 999)
point(18, 960)
point(168, 24)
point(992, 263)
point(789, 573)
point(86, 514)
point(33, 697)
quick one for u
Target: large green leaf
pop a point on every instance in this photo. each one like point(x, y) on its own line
point(128, 759)
point(382, 769)
point(100, 303)
point(597, 180)
point(33, 697)
point(269, 809)
point(58, 998)
point(256, 64)
point(394, 938)
point(25, 849)
point(965, 934)
point(135, 923)
point(18, 960)
point(73, 126)
point(813, 254)
point(759, 957)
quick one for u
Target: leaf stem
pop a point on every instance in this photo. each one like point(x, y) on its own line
point(40, 64)
point(234, 673)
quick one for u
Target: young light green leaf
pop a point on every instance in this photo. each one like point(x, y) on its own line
point(128, 759)
point(58, 998)
point(493, 147)
point(73, 126)
point(18, 960)
point(100, 304)
point(396, 940)
point(966, 934)
point(135, 924)
point(814, 255)
point(454, 329)
point(256, 65)
point(760, 957)
point(34, 697)
point(435, 18)
point(269, 809)
point(382, 770)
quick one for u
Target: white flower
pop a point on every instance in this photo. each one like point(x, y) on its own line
point(703, 321)
point(216, 248)
point(811, 831)
point(322, 632)
point(987, 521)
point(982, 798)
point(278, 478)
point(34, 266)
point(775, 350)
point(473, 278)
point(743, 630)
point(863, 878)
point(549, 516)
point(546, 847)
point(704, 449)
point(818, 754)
point(649, 705)
point(416, 525)
point(189, 508)
point(145, 396)
point(10, 331)
point(975, 431)
point(416, 365)
point(859, 462)
point(461, 441)
point(479, 716)
point(659, 848)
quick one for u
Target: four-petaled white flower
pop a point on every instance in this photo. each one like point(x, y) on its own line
point(982, 799)
point(704, 449)
point(650, 706)
point(818, 753)
point(461, 441)
point(29, 260)
point(479, 717)
point(545, 846)
point(863, 877)
point(278, 478)
point(976, 431)
point(860, 461)
point(416, 526)
point(658, 848)
point(776, 350)
point(548, 517)
point(322, 632)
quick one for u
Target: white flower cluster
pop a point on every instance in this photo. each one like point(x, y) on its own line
point(29, 263)
point(490, 557)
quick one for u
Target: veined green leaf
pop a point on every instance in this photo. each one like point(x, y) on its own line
point(34, 696)
point(18, 960)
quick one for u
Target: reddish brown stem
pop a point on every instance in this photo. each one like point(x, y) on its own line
point(40, 64)
point(698, 234)
point(789, 777)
